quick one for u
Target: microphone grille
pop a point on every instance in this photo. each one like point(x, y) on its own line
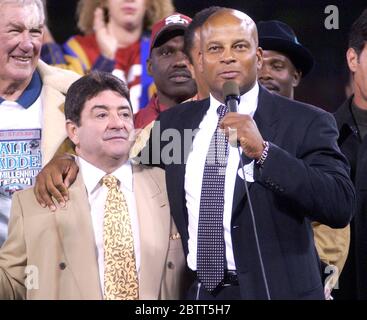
point(230, 88)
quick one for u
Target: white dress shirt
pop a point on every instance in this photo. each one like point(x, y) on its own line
point(97, 195)
point(195, 170)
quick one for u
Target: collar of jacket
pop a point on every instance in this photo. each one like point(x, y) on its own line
point(345, 120)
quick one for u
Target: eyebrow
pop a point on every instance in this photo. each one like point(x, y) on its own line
point(15, 25)
point(220, 42)
point(105, 107)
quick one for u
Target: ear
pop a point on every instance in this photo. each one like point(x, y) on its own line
point(72, 131)
point(297, 75)
point(352, 60)
point(149, 66)
point(200, 61)
point(259, 56)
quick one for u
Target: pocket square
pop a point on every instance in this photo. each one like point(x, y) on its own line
point(249, 171)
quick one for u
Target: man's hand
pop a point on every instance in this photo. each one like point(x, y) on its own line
point(107, 43)
point(245, 129)
point(54, 180)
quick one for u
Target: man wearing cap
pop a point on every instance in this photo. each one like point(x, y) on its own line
point(169, 67)
point(285, 62)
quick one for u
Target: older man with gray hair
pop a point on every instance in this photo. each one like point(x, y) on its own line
point(31, 100)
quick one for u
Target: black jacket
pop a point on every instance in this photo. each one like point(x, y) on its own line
point(305, 177)
point(353, 280)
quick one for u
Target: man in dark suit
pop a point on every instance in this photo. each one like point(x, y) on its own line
point(293, 165)
point(296, 174)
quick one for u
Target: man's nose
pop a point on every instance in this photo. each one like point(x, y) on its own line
point(26, 43)
point(264, 73)
point(227, 56)
point(116, 122)
point(181, 60)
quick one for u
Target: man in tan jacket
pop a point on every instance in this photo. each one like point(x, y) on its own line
point(63, 254)
point(32, 95)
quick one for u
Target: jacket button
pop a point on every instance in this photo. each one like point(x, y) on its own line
point(170, 265)
point(62, 265)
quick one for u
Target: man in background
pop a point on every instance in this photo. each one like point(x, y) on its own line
point(32, 95)
point(351, 118)
point(169, 66)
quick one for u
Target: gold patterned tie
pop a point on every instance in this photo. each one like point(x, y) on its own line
point(120, 275)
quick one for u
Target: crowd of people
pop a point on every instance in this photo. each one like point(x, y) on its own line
point(121, 177)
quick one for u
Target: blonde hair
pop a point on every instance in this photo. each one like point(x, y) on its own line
point(155, 11)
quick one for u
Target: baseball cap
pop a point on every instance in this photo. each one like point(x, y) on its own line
point(175, 23)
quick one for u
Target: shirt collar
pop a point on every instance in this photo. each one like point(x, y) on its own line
point(31, 93)
point(92, 175)
point(248, 101)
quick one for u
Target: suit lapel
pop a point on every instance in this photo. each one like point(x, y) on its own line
point(154, 228)
point(77, 237)
point(266, 118)
point(191, 117)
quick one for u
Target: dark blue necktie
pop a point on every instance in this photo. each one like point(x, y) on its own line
point(210, 246)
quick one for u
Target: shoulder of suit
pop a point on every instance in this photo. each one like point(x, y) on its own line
point(59, 79)
point(182, 108)
point(26, 195)
point(295, 107)
point(155, 173)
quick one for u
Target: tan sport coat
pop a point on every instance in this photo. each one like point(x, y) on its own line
point(59, 248)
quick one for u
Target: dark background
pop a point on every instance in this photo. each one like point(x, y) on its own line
point(323, 87)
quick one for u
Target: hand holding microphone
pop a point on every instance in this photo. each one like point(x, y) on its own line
point(240, 127)
point(252, 145)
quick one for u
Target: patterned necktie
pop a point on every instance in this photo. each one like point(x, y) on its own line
point(120, 275)
point(210, 251)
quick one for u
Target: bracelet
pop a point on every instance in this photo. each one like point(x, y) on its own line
point(264, 154)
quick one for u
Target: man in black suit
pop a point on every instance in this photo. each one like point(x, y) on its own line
point(296, 173)
point(293, 165)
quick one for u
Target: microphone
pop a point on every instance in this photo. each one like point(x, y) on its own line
point(231, 94)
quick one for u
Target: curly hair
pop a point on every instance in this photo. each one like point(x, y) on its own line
point(155, 11)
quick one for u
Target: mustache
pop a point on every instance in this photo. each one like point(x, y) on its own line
point(181, 73)
point(116, 135)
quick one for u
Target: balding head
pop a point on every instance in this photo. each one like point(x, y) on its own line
point(225, 15)
point(229, 50)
